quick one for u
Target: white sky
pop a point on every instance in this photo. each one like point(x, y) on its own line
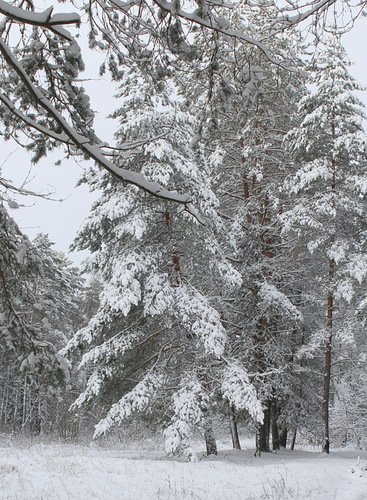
point(61, 220)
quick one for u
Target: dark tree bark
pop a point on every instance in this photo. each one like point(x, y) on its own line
point(211, 444)
point(294, 439)
point(274, 425)
point(327, 364)
point(233, 427)
point(283, 437)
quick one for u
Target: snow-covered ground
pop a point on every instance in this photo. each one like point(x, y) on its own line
point(60, 471)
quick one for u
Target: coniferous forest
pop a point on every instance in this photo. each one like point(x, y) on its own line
point(225, 288)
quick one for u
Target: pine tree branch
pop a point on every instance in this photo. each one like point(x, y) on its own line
point(32, 123)
point(317, 8)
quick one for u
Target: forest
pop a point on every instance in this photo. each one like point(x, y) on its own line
point(225, 287)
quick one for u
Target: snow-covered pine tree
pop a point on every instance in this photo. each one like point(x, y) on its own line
point(327, 214)
point(31, 369)
point(250, 163)
point(57, 293)
point(158, 333)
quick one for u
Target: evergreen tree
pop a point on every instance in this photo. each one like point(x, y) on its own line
point(159, 324)
point(328, 213)
point(263, 318)
point(31, 367)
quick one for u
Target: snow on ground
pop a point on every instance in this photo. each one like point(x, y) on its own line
point(61, 471)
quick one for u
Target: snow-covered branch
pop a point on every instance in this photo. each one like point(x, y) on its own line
point(32, 123)
point(82, 143)
point(215, 23)
point(316, 8)
point(45, 18)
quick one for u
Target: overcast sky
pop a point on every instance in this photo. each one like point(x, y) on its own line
point(61, 220)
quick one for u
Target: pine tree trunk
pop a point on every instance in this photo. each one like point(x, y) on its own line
point(326, 394)
point(24, 405)
point(264, 430)
point(294, 439)
point(327, 365)
point(283, 437)
point(274, 425)
point(233, 427)
point(211, 444)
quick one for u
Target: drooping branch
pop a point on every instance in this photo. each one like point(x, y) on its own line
point(82, 143)
point(33, 123)
point(214, 23)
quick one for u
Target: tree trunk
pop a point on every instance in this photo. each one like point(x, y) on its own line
point(211, 444)
point(24, 405)
point(233, 427)
point(294, 439)
point(274, 425)
point(283, 437)
point(264, 430)
point(327, 364)
point(326, 394)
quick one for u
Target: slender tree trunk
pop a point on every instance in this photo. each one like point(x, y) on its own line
point(294, 438)
point(233, 427)
point(15, 411)
point(283, 437)
point(24, 406)
point(211, 444)
point(274, 425)
point(329, 334)
point(327, 364)
point(38, 422)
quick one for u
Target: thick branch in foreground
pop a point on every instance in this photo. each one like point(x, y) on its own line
point(32, 123)
point(42, 19)
point(82, 143)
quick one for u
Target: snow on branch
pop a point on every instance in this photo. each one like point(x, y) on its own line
point(32, 123)
point(83, 143)
point(271, 296)
point(316, 9)
point(238, 391)
point(134, 401)
point(215, 23)
point(189, 404)
point(45, 18)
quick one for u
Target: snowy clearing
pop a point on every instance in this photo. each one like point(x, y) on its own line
point(61, 471)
